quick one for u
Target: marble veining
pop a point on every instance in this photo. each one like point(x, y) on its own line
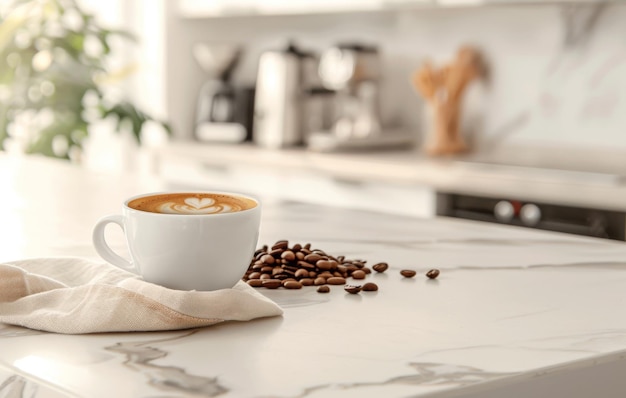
point(141, 355)
point(13, 387)
point(426, 374)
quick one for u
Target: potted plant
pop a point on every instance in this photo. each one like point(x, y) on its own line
point(54, 78)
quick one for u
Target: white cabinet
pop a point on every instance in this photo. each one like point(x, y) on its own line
point(298, 184)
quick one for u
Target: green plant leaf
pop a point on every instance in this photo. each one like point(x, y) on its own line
point(73, 74)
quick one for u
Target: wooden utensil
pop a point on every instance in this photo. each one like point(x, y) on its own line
point(443, 90)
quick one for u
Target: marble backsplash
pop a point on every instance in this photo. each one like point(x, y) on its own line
point(557, 73)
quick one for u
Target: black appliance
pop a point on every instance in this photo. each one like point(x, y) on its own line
point(547, 216)
point(224, 111)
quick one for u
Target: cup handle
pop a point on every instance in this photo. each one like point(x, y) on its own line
point(103, 248)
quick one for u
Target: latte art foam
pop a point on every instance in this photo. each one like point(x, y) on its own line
point(192, 203)
point(196, 206)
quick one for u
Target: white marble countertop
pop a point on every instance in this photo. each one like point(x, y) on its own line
point(571, 177)
point(514, 313)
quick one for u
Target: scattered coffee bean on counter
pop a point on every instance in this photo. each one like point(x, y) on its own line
point(380, 267)
point(370, 287)
point(323, 289)
point(433, 273)
point(408, 273)
point(294, 267)
point(352, 289)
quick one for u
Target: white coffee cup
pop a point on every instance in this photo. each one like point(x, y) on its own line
point(196, 248)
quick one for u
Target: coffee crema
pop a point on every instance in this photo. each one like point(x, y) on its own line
point(192, 203)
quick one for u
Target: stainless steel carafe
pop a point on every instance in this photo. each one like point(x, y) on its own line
point(283, 79)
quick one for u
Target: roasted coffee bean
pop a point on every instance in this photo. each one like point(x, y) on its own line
point(254, 275)
point(326, 274)
point(324, 265)
point(305, 251)
point(281, 244)
point(265, 276)
point(268, 259)
point(408, 273)
point(258, 256)
point(255, 282)
point(300, 256)
point(337, 273)
point(288, 255)
point(296, 247)
point(290, 273)
point(302, 273)
point(257, 266)
point(319, 281)
point(281, 276)
point(307, 246)
point(366, 270)
point(276, 253)
point(312, 274)
point(323, 289)
point(272, 283)
point(370, 287)
point(359, 264)
point(352, 289)
point(290, 268)
point(351, 268)
point(277, 270)
point(433, 273)
point(380, 267)
point(312, 258)
point(306, 265)
point(306, 281)
point(358, 274)
point(336, 280)
point(267, 269)
point(342, 268)
point(341, 258)
point(292, 285)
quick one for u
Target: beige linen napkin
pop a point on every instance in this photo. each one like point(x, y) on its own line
point(73, 295)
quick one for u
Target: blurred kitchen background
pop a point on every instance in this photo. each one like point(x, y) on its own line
point(343, 102)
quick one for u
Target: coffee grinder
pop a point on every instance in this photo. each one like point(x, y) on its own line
point(224, 110)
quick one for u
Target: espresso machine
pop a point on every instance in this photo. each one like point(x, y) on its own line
point(353, 72)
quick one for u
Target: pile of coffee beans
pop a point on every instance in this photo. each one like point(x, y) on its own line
point(293, 267)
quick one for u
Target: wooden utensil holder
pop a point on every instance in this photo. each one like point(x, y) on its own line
point(443, 90)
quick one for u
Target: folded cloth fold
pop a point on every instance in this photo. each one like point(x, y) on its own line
point(75, 296)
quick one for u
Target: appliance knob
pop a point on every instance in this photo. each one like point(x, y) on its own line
point(504, 211)
point(530, 214)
